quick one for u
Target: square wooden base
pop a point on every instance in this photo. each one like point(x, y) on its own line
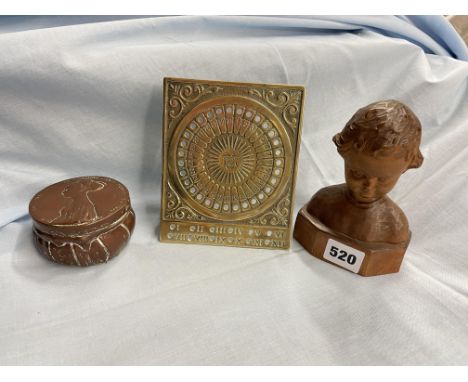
point(380, 258)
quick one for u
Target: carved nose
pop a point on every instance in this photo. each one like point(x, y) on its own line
point(370, 182)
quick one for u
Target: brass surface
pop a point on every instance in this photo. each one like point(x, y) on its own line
point(229, 162)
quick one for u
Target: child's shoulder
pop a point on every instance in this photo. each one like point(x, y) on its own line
point(327, 199)
point(330, 194)
point(394, 221)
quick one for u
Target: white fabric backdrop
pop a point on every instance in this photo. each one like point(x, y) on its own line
point(87, 100)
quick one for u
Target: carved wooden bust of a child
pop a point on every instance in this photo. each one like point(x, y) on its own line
point(378, 144)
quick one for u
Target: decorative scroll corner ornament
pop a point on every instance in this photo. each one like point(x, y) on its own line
point(277, 216)
point(182, 95)
point(287, 102)
point(175, 208)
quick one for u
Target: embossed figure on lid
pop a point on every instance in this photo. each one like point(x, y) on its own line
point(79, 201)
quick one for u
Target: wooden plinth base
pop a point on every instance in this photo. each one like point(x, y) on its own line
point(377, 258)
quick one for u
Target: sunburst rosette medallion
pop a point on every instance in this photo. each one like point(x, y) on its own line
point(229, 161)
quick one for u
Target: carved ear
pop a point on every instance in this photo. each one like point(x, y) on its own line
point(337, 140)
point(417, 160)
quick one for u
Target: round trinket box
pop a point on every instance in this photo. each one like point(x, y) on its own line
point(82, 221)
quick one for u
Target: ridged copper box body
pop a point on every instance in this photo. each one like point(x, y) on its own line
point(82, 221)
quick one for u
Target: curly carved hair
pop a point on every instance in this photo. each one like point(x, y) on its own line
point(381, 127)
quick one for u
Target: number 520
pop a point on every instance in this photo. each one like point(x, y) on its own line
point(342, 255)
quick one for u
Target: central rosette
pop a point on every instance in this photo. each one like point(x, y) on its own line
point(230, 159)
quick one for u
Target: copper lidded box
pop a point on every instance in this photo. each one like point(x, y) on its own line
point(82, 221)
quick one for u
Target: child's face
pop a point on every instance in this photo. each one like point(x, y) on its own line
point(369, 178)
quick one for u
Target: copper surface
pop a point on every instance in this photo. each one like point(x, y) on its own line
point(82, 221)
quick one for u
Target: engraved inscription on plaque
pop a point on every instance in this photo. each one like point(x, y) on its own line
point(229, 162)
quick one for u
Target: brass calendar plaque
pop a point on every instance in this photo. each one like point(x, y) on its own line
point(229, 162)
